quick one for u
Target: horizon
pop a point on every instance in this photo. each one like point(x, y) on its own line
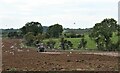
point(45, 26)
point(70, 14)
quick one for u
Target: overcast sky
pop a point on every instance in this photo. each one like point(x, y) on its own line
point(84, 13)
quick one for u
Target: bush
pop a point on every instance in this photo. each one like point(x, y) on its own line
point(29, 39)
point(51, 44)
point(73, 35)
point(65, 44)
point(82, 43)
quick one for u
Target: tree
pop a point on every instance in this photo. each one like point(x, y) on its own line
point(34, 27)
point(38, 38)
point(65, 44)
point(12, 34)
point(102, 33)
point(51, 44)
point(55, 30)
point(70, 44)
point(62, 43)
point(29, 38)
point(82, 43)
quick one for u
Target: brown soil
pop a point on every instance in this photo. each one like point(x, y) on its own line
point(26, 59)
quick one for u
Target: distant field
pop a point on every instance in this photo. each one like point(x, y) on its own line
point(90, 43)
point(75, 42)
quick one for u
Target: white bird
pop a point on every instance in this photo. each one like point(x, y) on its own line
point(12, 53)
point(28, 50)
point(68, 55)
point(70, 52)
point(20, 50)
point(12, 47)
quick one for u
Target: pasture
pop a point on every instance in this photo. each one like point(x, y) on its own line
point(91, 45)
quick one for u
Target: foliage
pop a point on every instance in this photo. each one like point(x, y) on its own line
point(75, 41)
point(15, 34)
point(51, 43)
point(29, 38)
point(102, 33)
point(55, 30)
point(91, 44)
point(73, 35)
point(38, 38)
point(62, 43)
point(34, 27)
point(82, 43)
point(65, 44)
point(12, 34)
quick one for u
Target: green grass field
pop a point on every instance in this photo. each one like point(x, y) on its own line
point(75, 41)
point(90, 43)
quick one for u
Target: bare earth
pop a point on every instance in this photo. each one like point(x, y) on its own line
point(25, 59)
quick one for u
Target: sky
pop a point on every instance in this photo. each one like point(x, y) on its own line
point(68, 13)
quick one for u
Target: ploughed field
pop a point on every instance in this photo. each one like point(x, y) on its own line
point(17, 58)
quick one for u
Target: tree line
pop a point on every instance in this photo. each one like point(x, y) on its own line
point(101, 33)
